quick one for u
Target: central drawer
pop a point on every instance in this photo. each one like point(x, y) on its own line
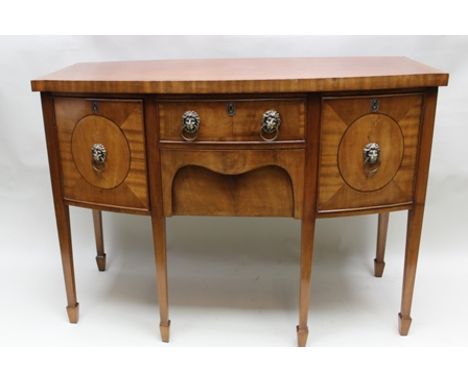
point(233, 182)
point(232, 120)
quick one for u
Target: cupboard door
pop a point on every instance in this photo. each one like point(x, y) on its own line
point(368, 151)
point(102, 151)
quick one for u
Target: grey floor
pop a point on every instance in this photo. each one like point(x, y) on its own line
point(232, 282)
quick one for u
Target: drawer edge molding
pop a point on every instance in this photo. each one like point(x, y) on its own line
point(107, 207)
point(364, 210)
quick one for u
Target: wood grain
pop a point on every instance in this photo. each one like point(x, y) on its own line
point(376, 209)
point(415, 215)
point(254, 75)
point(233, 163)
point(158, 220)
point(314, 170)
point(265, 191)
point(118, 124)
point(62, 213)
point(309, 215)
point(245, 125)
point(382, 228)
point(99, 236)
point(372, 128)
point(347, 124)
point(94, 129)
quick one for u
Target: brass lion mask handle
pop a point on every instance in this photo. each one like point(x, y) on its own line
point(271, 123)
point(371, 157)
point(98, 157)
point(190, 125)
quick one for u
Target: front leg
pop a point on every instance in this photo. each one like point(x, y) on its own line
point(62, 213)
point(63, 227)
point(159, 239)
point(307, 247)
point(415, 215)
point(413, 238)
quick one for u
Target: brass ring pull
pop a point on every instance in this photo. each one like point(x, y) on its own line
point(371, 156)
point(98, 157)
point(270, 125)
point(190, 125)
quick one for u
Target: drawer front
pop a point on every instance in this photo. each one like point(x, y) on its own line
point(233, 120)
point(233, 182)
point(102, 151)
point(368, 151)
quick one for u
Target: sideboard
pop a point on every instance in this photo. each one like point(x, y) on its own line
point(304, 138)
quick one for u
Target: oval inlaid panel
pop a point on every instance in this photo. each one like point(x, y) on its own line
point(377, 128)
point(97, 129)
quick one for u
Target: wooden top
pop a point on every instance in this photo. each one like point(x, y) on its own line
point(256, 75)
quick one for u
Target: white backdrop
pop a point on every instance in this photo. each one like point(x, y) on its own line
point(235, 274)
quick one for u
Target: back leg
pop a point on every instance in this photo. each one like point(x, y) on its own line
point(101, 256)
point(379, 263)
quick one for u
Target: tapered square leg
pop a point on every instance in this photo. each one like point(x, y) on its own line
point(62, 213)
point(101, 262)
point(63, 224)
point(413, 237)
point(159, 236)
point(302, 334)
point(164, 329)
point(308, 217)
point(404, 324)
point(307, 239)
point(98, 233)
point(379, 263)
point(158, 219)
point(379, 267)
point(73, 313)
point(416, 214)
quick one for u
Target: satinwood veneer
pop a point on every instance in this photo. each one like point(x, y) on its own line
point(305, 138)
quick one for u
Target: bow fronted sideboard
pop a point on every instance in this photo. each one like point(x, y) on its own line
point(304, 138)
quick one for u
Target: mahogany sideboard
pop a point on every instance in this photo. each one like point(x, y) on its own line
point(304, 138)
